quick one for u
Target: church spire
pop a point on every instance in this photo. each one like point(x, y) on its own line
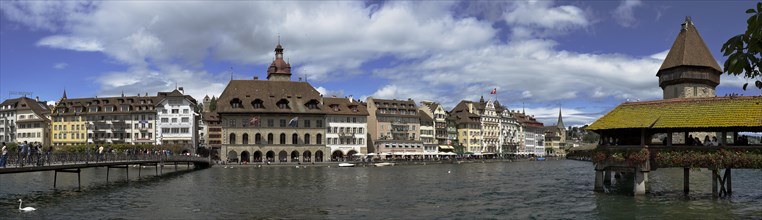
point(64, 95)
point(560, 123)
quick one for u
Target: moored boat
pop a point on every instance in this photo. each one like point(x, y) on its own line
point(346, 165)
point(383, 164)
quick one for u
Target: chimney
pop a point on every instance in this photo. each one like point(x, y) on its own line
point(181, 90)
point(256, 77)
point(351, 99)
point(37, 98)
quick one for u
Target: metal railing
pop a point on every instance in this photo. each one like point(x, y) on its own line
point(54, 159)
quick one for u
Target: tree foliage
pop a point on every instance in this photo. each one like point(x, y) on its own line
point(743, 50)
point(213, 104)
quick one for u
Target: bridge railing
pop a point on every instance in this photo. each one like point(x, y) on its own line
point(62, 158)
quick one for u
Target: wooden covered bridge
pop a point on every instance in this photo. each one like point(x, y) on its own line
point(640, 137)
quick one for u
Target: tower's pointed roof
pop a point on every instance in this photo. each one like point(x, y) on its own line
point(64, 95)
point(560, 123)
point(689, 49)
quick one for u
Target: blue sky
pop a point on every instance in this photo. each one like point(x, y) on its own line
point(585, 56)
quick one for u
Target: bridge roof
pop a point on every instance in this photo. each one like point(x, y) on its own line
point(740, 113)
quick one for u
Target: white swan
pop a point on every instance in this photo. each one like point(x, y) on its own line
point(26, 209)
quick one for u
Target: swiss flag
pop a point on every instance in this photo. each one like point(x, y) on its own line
point(494, 91)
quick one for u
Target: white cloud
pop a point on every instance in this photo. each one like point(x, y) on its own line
point(571, 116)
point(70, 43)
point(531, 18)
point(61, 65)
point(141, 81)
point(624, 14)
point(329, 93)
point(661, 55)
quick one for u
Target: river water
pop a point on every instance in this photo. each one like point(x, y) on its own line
point(504, 190)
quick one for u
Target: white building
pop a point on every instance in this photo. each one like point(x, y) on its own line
point(31, 119)
point(511, 132)
point(533, 133)
point(177, 120)
point(346, 133)
point(430, 146)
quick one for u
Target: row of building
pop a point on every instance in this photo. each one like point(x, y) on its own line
point(278, 119)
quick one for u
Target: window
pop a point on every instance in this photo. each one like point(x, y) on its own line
point(306, 123)
point(165, 130)
point(236, 103)
point(185, 119)
point(258, 138)
point(232, 138)
point(270, 123)
point(294, 139)
point(306, 138)
point(175, 130)
point(319, 123)
point(164, 111)
point(283, 123)
point(312, 104)
point(244, 138)
point(257, 104)
point(270, 138)
point(282, 104)
point(175, 111)
point(164, 120)
point(185, 111)
point(319, 139)
point(361, 131)
point(354, 120)
point(231, 123)
point(282, 138)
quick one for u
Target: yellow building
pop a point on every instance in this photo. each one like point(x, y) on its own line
point(68, 130)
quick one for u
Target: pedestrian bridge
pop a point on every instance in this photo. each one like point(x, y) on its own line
point(75, 162)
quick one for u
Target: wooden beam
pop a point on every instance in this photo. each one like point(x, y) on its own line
point(686, 180)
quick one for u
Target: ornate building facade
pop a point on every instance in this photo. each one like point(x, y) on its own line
point(346, 133)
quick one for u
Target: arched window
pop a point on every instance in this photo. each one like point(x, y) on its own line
point(257, 104)
point(258, 138)
point(294, 138)
point(306, 138)
point(236, 103)
point(270, 138)
point(245, 138)
point(232, 138)
point(319, 139)
point(282, 104)
point(282, 138)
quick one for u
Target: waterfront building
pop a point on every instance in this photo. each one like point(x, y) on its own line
point(394, 126)
point(440, 125)
point(8, 121)
point(272, 120)
point(555, 138)
point(212, 133)
point(489, 125)
point(689, 70)
point(511, 132)
point(427, 131)
point(25, 119)
point(176, 119)
point(346, 132)
point(104, 120)
point(468, 127)
point(534, 134)
point(452, 134)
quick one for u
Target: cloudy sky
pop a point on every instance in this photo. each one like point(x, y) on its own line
point(584, 56)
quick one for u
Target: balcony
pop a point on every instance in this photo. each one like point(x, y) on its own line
point(346, 134)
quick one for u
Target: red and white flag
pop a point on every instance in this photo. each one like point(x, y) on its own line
point(494, 91)
point(254, 121)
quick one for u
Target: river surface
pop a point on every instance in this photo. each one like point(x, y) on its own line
point(504, 190)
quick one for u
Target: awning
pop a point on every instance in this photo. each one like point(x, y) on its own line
point(446, 147)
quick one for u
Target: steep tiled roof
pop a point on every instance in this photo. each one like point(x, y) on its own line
point(425, 117)
point(689, 49)
point(136, 104)
point(24, 103)
point(527, 120)
point(210, 116)
point(713, 112)
point(174, 93)
point(343, 107)
point(270, 93)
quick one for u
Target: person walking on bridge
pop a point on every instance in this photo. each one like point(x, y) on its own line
point(4, 156)
point(100, 153)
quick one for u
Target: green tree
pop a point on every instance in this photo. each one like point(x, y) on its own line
point(743, 50)
point(213, 104)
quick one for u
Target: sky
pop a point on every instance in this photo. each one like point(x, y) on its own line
point(585, 57)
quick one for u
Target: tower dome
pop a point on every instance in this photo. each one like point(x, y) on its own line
point(279, 69)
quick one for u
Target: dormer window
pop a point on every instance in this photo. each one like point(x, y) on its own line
point(236, 103)
point(353, 108)
point(257, 104)
point(335, 107)
point(312, 104)
point(283, 104)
